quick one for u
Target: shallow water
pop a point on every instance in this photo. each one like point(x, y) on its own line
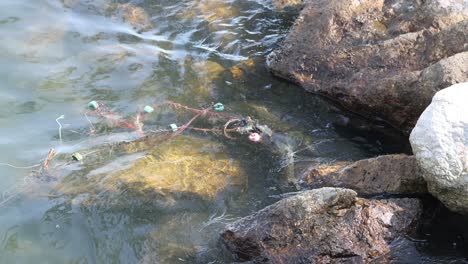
point(151, 201)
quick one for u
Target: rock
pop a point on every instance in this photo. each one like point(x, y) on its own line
point(183, 168)
point(136, 16)
point(215, 12)
point(281, 5)
point(382, 59)
point(243, 67)
point(328, 225)
point(207, 72)
point(393, 174)
point(440, 144)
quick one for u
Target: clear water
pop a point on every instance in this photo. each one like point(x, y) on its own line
point(57, 55)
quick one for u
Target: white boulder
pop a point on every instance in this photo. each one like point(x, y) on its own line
point(440, 144)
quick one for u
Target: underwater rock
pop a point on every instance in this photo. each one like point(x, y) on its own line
point(240, 69)
point(207, 73)
point(160, 173)
point(129, 13)
point(392, 174)
point(281, 5)
point(440, 145)
point(327, 225)
point(382, 59)
point(136, 16)
point(208, 70)
point(214, 12)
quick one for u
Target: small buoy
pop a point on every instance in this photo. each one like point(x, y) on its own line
point(57, 226)
point(218, 107)
point(93, 105)
point(148, 109)
point(255, 137)
point(173, 127)
point(77, 156)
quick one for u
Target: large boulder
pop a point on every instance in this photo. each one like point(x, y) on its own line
point(328, 225)
point(391, 174)
point(382, 59)
point(440, 144)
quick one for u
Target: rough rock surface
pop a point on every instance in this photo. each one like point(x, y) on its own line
point(287, 4)
point(327, 225)
point(179, 170)
point(382, 59)
point(440, 144)
point(394, 174)
point(136, 16)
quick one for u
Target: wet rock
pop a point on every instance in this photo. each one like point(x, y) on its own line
point(287, 4)
point(240, 69)
point(440, 144)
point(382, 59)
point(207, 73)
point(394, 174)
point(215, 12)
point(136, 16)
point(208, 70)
point(328, 225)
point(150, 171)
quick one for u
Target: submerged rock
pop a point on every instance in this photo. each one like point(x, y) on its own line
point(136, 16)
point(328, 225)
point(161, 174)
point(440, 144)
point(382, 59)
point(207, 73)
point(287, 4)
point(243, 67)
point(214, 12)
point(129, 13)
point(394, 174)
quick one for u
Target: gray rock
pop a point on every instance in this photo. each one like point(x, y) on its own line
point(327, 225)
point(440, 144)
point(382, 59)
point(392, 174)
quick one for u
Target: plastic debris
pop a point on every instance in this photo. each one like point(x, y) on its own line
point(77, 156)
point(173, 127)
point(93, 105)
point(255, 137)
point(148, 109)
point(218, 107)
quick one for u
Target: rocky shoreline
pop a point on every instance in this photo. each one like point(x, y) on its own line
point(382, 59)
point(385, 60)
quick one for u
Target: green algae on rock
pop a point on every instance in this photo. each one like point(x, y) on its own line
point(181, 166)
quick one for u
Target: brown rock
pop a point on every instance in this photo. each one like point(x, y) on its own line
point(394, 174)
point(281, 5)
point(136, 16)
point(327, 225)
point(382, 59)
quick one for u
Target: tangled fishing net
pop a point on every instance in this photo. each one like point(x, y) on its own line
point(179, 164)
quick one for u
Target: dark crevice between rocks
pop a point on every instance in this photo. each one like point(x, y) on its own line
point(441, 232)
point(351, 123)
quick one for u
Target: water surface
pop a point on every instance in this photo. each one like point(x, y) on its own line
point(149, 201)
